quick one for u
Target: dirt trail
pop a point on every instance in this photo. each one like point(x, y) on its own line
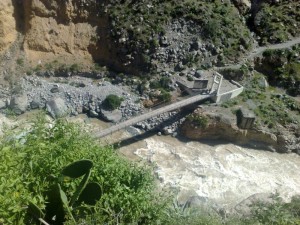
point(258, 51)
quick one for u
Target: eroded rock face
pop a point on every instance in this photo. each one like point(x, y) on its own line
point(8, 33)
point(223, 125)
point(60, 28)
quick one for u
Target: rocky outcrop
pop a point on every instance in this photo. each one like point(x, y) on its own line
point(76, 95)
point(19, 104)
point(8, 32)
point(57, 107)
point(111, 116)
point(243, 6)
point(222, 125)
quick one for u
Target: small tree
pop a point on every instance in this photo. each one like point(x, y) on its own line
point(112, 102)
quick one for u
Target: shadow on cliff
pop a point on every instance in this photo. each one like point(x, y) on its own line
point(19, 15)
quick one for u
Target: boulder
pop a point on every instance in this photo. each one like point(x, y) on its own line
point(35, 104)
point(19, 103)
point(111, 116)
point(167, 131)
point(2, 104)
point(243, 6)
point(56, 107)
point(54, 90)
point(263, 83)
point(93, 113)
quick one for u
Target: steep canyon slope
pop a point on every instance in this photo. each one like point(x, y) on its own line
point(8, 31)
point(134, 36)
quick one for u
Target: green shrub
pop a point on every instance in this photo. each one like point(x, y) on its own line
point(198, 120)
point(112, 102)
point(74, 68)
point(164, 96)
point(211, 28)
point(190, 78)
point(20, 61)
point(276, 213)
point(163, 83)
point(29, 163)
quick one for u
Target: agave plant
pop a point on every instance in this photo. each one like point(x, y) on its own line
point(58, 206)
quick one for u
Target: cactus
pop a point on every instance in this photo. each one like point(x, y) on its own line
point(64, 200)
point(58, 206)
point(91, 194)
point(55, 205)
point(34, 210)
point(80, 188)
point(78, 168)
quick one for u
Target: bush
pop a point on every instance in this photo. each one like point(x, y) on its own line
point(20, 61)
point(276, 213)
point(29, 163)
point(112, 102)
point(165, 96)
point(163, 83)
point(74, 68)
point(198, 120)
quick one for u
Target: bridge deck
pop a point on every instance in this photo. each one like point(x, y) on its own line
point(150, 114)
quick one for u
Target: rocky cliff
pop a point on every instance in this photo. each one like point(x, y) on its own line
point(8, 31)
point(122, 34)
point(62, 31)
point(222, 125)
point(71, 30)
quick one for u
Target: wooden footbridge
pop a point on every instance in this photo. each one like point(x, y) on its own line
point(150, 114)
point(213, 93)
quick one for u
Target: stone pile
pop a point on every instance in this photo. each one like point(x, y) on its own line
point(181, 46)
point(72, 96)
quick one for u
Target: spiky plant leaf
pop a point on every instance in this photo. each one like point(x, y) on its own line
point(63, 196)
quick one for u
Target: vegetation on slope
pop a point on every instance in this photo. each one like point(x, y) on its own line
point(142, 23)
point(277, 22)
point(282, 67)
point(112, 102)
point(29, 163)
point(271, 106)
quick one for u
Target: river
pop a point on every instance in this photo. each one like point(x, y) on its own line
point(225, 174)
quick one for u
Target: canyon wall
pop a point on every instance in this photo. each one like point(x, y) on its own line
point(8, 31)
point(69, 32)
point(64, 29)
